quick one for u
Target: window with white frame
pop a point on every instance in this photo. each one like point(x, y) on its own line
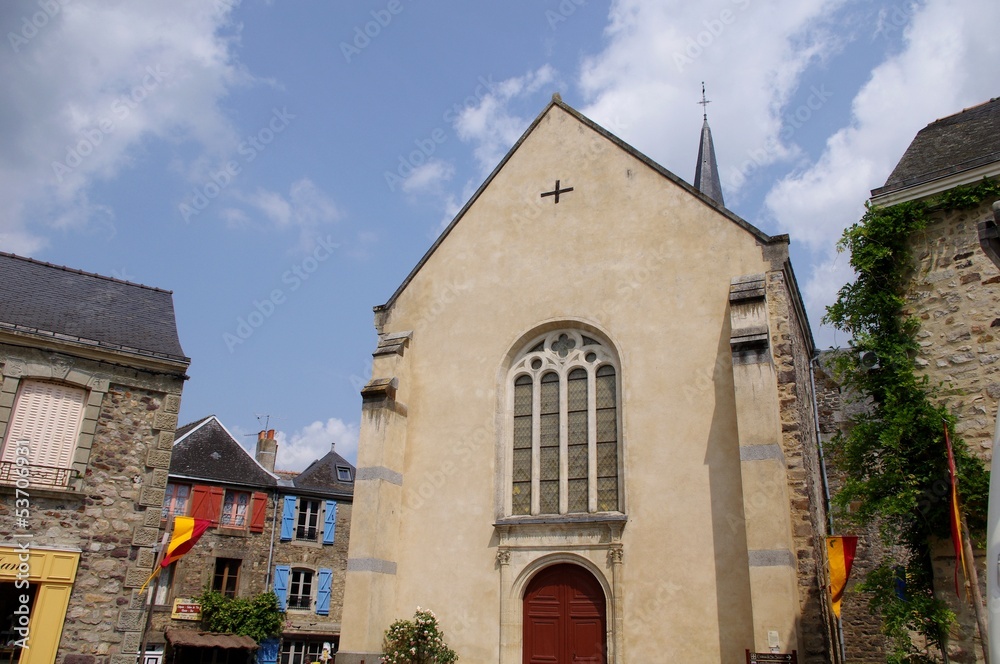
point(300, 587)
point(235, 506)
point(175, 500)
point(564, 451)
point(301, 652)
point(307, 525)
point(343, 474)
point(44, 427)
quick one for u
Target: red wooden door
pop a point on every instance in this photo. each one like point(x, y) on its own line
point(564, 617)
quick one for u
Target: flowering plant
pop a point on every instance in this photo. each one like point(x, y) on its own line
point(417, 641)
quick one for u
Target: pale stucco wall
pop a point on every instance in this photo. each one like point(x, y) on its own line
point(640, 259)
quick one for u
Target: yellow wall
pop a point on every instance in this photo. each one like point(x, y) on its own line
point(52, 572)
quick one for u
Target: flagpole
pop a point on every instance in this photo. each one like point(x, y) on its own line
point(977, 597)
point(149, 608)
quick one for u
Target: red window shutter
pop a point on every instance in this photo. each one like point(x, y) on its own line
point(206, 503)
point(258, 509)
point(215, 503)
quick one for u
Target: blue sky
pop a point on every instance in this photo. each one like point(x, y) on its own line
point(281, 166)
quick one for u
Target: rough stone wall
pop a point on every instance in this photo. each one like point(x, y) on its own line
point(955, 293)
point(193, 573)
point(313, 556)
point(105, 514)
point(791, 354)
point(864, 642)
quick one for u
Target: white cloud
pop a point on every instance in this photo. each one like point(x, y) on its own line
point(490, 125)
point(89, 87)
point(304, 208)
point(949, 61)
point(429, 177)
point(300, 448)
point(644, 85)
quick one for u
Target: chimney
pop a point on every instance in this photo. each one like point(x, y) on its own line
point(267, 449)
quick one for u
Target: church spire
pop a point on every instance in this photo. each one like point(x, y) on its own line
point(706, 173)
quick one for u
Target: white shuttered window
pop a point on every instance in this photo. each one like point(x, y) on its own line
point(47, 416)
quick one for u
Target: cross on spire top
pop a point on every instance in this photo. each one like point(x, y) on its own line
point(704, 102)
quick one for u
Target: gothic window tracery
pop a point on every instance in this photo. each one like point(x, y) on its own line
point(565, 441)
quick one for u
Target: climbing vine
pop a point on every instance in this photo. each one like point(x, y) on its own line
point(893, 459)
point(259, 617)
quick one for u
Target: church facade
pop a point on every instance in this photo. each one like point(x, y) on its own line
point(590, 432)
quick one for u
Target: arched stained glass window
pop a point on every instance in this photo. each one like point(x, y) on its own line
point(564, 445)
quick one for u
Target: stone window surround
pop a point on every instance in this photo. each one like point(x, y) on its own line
point(608, 354)
point(171, 497)
point(319, 513)
point(232, 527)
point(313, 582)
point(97, 388)
point(227, 574)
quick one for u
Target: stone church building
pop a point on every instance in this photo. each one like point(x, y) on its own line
point(590, 432)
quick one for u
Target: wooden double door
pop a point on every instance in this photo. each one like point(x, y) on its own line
point(565, 617)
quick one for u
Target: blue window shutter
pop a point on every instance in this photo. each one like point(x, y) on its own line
point(281, 584)
point(288, 518)
point(329, 521)
point(323, 592)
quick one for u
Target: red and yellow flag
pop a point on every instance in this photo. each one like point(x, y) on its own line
point(840, 552)
point(956, 519)
point(186, 533)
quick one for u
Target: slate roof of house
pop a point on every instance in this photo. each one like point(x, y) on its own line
point(63, 303)
point(321, 475)
point(206, 450)
point(957, 143)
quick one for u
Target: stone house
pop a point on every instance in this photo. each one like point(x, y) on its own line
point(278, 531)
point(954, 291)
point(590, 428)
point(92, 374)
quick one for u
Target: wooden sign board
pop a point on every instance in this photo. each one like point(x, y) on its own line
point(186, 609)
point(791, 658)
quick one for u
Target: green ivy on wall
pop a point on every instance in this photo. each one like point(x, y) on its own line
point(893, 459)
point(258, 617)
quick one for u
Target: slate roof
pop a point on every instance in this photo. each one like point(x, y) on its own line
point(60, 302)
point(206, 450)
point(321, 475)
point(957, 143)
point(706, 173)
